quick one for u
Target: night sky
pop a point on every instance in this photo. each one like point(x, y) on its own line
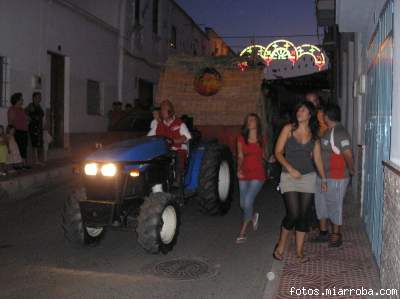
point(255, 17)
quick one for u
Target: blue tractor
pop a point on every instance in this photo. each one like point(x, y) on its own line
point(130, 185)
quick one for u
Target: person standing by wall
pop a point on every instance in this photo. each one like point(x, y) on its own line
point(19, 120)
point(297, 148)
point(156, 118)
point(251, 172)
point(36, 115)
point(339, 165)
point(314, 98)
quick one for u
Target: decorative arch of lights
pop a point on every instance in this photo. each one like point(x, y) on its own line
point(283, 50)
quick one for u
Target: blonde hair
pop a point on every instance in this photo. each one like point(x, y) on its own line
point(168, 103)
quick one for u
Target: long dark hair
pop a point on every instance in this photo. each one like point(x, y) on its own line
point(313, 122)
point(245, 130)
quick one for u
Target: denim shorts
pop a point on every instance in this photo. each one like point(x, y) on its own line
point(329, 205)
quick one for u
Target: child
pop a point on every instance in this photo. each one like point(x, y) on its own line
point(14, 157)
point(156, 119)
point(3, 152)
point(47, 139)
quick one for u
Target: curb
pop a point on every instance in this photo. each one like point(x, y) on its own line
point(18, 188)
point(273, 279)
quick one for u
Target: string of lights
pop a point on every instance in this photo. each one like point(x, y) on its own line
point(267, 36)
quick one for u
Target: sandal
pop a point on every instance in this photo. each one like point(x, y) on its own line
point(240, 240)
point(335, 240)
point(255, 221)
point(276, 255)
point(302, 259)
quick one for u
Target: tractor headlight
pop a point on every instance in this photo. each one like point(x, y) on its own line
point(91, 169)
point(134, 173)
point(108, 170)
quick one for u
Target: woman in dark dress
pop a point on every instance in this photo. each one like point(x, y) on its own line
point(36, 114)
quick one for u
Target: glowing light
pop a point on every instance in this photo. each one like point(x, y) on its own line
point(134, 173)
point(109, 170)
point(243, 65)
point(313, 51)
point(254, 50)
point(91, 169)
point(283, 50)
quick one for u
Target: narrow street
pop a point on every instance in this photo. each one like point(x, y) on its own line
point(35, 261)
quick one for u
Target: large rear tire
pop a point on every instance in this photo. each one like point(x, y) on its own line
point(158, 223)
point(75, 232)
point(216, 181)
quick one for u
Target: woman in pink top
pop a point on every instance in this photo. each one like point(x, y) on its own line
point(18, 118)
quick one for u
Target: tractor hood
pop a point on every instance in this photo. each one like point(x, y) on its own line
point(141, 149)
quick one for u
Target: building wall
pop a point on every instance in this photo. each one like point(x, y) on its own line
point(390, 260)
point(389, 257)
point(42, 26)
point(390, 267)
point(87, 34)
point(146, 52)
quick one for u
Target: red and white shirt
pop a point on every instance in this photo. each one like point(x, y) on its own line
point(173, 129)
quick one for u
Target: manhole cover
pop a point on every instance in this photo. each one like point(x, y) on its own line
point(183, 269)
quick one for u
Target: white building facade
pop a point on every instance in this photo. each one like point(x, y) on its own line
point(367, 46)
point(82, 55)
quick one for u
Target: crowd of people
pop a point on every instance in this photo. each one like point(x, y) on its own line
point(314, 150)
point(26, 127)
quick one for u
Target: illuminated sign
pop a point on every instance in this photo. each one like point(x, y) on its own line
point(313, 51)
point(284, 50)
point(280, 50)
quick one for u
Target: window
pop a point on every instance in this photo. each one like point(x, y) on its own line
point(155, 16)
point(137, 12)
point(3, 81)
point(93, 105)
point(172, 42)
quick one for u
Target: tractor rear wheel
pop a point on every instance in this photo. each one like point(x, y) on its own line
point(216, 180)
point(158, 223)
point(75, 231)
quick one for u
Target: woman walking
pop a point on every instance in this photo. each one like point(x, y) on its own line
point(298, 145)
point(36, 114)
point(19, 120)
point(251, 172)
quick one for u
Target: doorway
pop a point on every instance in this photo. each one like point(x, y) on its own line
point(56, 117)
point(146, 93)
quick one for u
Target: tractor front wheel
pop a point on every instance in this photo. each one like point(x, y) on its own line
point(74, 230)
point(158, 223)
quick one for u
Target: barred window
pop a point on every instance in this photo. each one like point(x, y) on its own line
point(93, 105)
point(4, 80)
point(172, 42)
point(155, 16)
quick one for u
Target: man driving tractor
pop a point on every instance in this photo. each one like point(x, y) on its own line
point(176, 130)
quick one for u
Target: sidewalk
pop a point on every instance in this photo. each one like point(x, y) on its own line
point(350, 266)
point(23, 184)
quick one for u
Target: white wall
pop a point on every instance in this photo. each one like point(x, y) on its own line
point(145, 58)
point(86, 32)
point(395, 141)
point(31, 28)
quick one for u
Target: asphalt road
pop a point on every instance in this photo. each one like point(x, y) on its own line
point(36, 262)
